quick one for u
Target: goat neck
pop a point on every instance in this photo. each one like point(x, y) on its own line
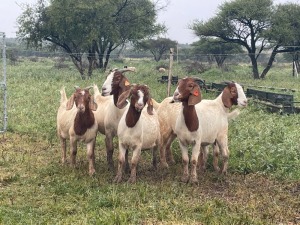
point(190, 116)
point(83, 121)
point(132, 116)
point(221, 103)
point(118, 91)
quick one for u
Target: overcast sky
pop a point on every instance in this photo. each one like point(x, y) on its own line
point(178, 15)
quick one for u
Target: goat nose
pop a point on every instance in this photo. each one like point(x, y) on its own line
point(103, 89)
point(81, 107)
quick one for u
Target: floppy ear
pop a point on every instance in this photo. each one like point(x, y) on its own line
point(124, 84)
point(93, 105)
point(150, 106)
point(70, 102)
point(122, 99)
point(226, 97)
point(195, 96)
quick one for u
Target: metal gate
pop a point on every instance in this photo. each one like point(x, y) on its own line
point(3, 90)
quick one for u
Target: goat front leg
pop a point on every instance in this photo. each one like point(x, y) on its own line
point(202, 161)
point(194, 162)
point(91, 156)
point(109, 151)
point(63, 150)
point(73, 148)
point(223, 145)
point(122, 152)
point(134, 161)
point(185, 162)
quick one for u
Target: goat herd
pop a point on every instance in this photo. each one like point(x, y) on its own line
point(127, 111)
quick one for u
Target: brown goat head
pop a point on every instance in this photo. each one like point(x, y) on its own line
point(230, 95)
point(139, 96)
point(82, 99)
point(188, 91)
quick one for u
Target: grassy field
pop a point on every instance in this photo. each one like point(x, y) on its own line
point(262, 185)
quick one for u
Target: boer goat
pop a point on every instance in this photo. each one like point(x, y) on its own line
point(77, 122)
point(204, 123)
point(138, 129)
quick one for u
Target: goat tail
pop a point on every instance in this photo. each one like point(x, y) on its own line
point(96, 90)
point(234, 114)
point(63, 95)
point(155, 104)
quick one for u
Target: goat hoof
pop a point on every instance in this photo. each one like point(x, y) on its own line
point(118, 179)
point(172, 162)
point(132, 180)
point(218, 170)
point(194, 180)
point(164, 165)
point(185, 178)
point(224, 172)
point(92, 172)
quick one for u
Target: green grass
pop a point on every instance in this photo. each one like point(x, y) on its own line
point(262, 185)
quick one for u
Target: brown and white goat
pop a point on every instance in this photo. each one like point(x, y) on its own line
point(77, 122)
point(108, 115)
point(115, 84)
point(168, 113)
point(138, 129)
point(204, 123)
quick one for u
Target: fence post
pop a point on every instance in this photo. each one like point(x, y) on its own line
point(170, 72)
point(3, 83)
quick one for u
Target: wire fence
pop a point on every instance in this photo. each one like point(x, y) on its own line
point(3, 89)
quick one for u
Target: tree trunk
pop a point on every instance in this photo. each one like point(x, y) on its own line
point(254, 66)
point(78, 64)
point(270, 63)
point(220, 60)
point(92, 59)
point(109, 50)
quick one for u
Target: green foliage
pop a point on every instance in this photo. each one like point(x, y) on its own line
point(285, 26)
point(157, 47)
point(216, 49)
point(96, 28)
point(262, 185)
point(257, 26)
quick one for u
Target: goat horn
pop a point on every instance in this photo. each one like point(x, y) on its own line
point(131, 69)
point(88, 88)
point(76, 87)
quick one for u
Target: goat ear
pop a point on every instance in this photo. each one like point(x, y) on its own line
point(122, 99)
point(195, 96)
point(70, 102)
point(226, 97)
point(150, 106)
point(93, 104)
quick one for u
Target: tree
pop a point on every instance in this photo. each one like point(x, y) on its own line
point(157, 47)
point(253, 25)
point(95, 29)
point(216, 49)
point(286, 30)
